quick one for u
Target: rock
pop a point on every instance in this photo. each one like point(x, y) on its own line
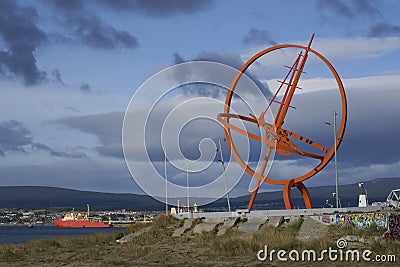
point(131, 236)
point(207, 225)
point(186, 226)
point(252, 224)
point(290, 220)
point(275, 221)
point(228, 223)
point(311, 229)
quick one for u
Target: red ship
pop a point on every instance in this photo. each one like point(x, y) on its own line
point(72, 220)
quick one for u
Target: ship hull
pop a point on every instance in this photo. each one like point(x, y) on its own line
point(80, 224)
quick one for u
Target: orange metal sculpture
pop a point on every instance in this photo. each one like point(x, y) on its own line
point(276, 137)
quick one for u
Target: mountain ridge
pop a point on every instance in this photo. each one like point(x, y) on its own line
point(56, 197)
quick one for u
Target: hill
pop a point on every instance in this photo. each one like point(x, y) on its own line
point(378, 190)
point(47, 197)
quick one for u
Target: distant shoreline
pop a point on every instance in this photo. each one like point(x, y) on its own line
point(25, 225)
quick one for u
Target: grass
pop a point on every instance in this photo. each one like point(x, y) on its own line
point(143, 245)
point(156, 246)
point(371, 230)
point(234, 243)
point(91, 246)
point(135, 227)
point(387, 248)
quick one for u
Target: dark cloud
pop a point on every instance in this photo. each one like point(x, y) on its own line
point(95, 33)
point(14, 136)
point(90, 30)
point(349, 9)
point(337, 7)
point(61, 154)
point(234, 60)
point(21, 35)
point(57, 76)
point(41, 146)
point(366, 7)
point(384, 29)
point(107, 127)
point(159, 8)
point(75, 155)
point(66, 5)
point(85, 88)
point(231, 59)
point(177, 58)
point(256, 37)
point(370, 131)
point(205, 89)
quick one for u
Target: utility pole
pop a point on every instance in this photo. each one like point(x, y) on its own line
point(223, 169)
point(187, 178)
point(336, 168)
point(166, 184)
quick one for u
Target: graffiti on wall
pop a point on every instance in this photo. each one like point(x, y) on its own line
point(394, 226)
point(359, 219)
point(326, 219)
point(366, 219)
point(391, 221)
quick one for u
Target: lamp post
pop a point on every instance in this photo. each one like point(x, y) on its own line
point(336, 167)
point(223, 169)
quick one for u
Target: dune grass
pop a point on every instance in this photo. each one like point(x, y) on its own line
point(57, 251)
point(157, 247)
point(371, 230)
point(234, 243)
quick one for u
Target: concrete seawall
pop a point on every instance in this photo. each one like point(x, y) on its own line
point(315, 221)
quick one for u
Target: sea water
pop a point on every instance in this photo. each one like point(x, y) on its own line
point(22, 234)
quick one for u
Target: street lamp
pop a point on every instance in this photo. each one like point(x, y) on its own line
point(223, 169)
point(336, 168)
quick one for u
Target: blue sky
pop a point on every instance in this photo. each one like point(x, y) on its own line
point(68, 70)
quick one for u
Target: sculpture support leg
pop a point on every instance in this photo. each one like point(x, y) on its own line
point(287, 187)
point(258, 182)
point(306, 195)
point(253, 195)
point(287, 198)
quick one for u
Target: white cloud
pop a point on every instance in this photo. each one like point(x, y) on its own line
point(37, 107)
point(358, 50)
point(384, 82)
point(356, 47)
point(339, 48)
point(371, 171)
